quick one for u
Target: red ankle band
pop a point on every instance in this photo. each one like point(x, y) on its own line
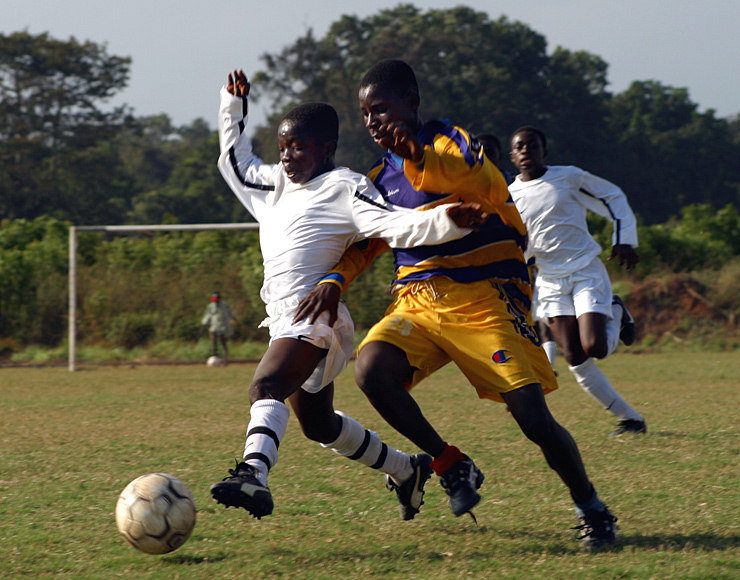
point(449, 457)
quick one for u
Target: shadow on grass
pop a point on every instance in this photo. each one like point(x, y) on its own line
point(190, 559)
point(680, 542)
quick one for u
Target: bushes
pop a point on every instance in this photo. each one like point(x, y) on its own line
point(144, 288)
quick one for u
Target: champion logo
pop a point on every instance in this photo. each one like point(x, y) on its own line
point(500, 356)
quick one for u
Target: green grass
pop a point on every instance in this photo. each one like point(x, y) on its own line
point(69, 442)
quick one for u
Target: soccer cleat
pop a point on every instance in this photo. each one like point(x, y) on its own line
point(461, 482)
point(629, 426)
point(598, 529)
point(411, 492)
point(244, 490)
point(627, 330)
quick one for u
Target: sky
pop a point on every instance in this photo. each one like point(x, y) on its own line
point(182, 50)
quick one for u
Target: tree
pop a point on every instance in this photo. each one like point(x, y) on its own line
point(484, 75)
point(670, 154)
point(496, 75)
point(51, 93)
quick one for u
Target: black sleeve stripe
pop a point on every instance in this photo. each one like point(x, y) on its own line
point(617, 222)
point(241, 127)
point(366, 199)
point(245, 106)
point(235, 168)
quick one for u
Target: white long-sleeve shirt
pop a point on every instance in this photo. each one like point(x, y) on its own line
point(554, 209)
point(305, 228)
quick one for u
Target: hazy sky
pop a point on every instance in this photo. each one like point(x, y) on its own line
point(183, 49)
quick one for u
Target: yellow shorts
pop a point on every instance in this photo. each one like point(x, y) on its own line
point(475, 325)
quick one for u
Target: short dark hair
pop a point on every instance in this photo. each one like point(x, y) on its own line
point(530, 129)
point(318, 119)
point(392, 74)
point(491, 144)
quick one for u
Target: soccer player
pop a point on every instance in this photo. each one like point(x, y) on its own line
point(309, 212)
point(492, 148)
point(573, 285)
point(465, 301)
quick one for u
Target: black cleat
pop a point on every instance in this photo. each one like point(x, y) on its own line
point(598, 529)
point(461, 482)
point(411, 492)
point(627, 330)
point(629, 426)
point(243, 490)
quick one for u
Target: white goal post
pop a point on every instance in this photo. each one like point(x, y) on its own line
point(142, 228)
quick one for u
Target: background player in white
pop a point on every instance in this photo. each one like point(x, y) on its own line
point(309, 213)
point(573, 286)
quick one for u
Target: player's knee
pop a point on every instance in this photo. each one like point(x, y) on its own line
point(596, 349)
point(319, 432)
point(538, 425)
point(264, 388)
point(372, 380)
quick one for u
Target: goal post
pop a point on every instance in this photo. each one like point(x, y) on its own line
point(72, 350)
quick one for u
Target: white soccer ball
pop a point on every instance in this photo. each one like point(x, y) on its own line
point(156, 513)
point(214, 361)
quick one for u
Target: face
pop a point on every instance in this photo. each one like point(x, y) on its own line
point(380, 106)
point(303, 158)
point(528, 153)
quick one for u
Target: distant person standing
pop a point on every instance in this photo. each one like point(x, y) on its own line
point(572, 284)
point(218, 319)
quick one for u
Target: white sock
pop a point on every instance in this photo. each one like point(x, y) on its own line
point(360, 444)
point(551, 349)
point(267, 425)
point(613, 328)
point(594, 382)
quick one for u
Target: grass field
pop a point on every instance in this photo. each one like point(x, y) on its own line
point(69, 442)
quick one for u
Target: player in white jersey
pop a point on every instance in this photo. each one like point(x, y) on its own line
point(309, 213)
point(573, 286)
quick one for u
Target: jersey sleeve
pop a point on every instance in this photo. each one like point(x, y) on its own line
point(453, 164)
point(248, 177)
point(609, 201)
point(401, 227)
point(355, 260)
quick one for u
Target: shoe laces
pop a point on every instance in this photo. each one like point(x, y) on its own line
point(239, 467)
point(596, 525)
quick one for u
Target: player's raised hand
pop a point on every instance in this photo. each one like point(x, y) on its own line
point(238, 85)
point(467, 215)
point(401, 140)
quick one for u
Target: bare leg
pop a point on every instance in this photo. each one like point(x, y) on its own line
point(381, 371)
point(529, 409)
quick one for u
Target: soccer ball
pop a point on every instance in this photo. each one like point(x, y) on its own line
point(156, 513)
point(214, 361)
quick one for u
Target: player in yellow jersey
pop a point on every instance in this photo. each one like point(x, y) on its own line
point(465, 301)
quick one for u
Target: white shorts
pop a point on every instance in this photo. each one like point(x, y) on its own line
point(588, 290)
point(338, 340)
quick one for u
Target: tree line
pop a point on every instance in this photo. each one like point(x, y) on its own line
point(62, 155)
point(65, 160)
